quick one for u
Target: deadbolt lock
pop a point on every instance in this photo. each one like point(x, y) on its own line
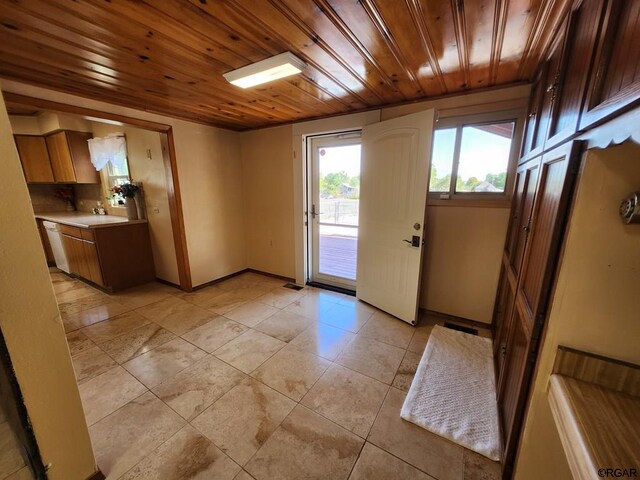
point(416, 226)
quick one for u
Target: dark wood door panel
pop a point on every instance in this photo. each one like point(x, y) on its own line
point(615, 82)
point(521, 227)
point(552, 69)
point(509, 400)
point(583, 32)
point(548, 218)
point(503, 318)
point(531, 126)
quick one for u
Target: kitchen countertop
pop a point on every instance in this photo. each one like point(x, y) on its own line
point(86, 220)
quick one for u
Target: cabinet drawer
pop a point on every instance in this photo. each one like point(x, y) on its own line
point(69, 230)
point(88, 235)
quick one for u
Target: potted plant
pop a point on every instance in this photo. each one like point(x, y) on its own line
point(128, 192)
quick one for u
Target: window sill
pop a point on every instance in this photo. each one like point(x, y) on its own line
point(470, 202)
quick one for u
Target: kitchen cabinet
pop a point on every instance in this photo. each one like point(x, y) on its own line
point(34, 158)
point(60, 157)
point(70, 158)
point(81, 254)
point(114, 257)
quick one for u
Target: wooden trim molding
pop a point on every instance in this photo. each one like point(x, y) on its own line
point(175, 209)
point(614, 132)
point(240, 272)
point(170, 167)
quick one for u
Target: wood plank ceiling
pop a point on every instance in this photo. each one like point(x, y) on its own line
point(168, 56)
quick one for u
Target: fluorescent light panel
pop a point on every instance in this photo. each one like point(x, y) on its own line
point(279, 66)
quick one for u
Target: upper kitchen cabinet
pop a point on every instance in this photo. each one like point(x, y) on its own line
point(70, 159)
point(34, 157)
point(615, 82)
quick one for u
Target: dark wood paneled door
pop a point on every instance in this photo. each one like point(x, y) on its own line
point(548, 190)
point(521, 210)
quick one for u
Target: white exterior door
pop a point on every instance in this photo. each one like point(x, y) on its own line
point(393, 193)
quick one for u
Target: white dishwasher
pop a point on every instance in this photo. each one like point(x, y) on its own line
point(55, 239)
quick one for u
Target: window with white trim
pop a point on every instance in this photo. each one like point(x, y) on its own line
point(473, 159)
point(116, 176)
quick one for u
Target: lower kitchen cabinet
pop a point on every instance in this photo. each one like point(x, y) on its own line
point(114, 257)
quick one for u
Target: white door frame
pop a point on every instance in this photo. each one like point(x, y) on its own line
point(299, 146)
point(345, 138)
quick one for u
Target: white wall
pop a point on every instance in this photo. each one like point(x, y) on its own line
point(32, 328)
point(461, 264)
point(594, 306)
point(152, 174)
point(268, 200)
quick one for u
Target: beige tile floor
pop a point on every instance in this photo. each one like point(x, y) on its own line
point(248, 379)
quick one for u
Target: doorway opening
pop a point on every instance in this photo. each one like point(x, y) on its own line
point(333, 208)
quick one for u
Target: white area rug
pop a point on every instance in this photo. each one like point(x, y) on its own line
point(453, 393)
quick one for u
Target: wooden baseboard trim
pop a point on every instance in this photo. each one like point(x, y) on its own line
point(453, 318)
point(240, 272)
point(97, 476)
point(273, 275)
point(170, 284)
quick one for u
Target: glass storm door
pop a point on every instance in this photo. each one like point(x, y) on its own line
point(333, 210)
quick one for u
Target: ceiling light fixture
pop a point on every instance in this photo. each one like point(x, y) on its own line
point(264, 71)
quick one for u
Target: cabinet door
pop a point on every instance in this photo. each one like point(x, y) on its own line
point(34, 157)
point(510, 406)
point(557, 174)
point(93, 262)
point(615, 82)
point(521, 214)
point(550, 81)
point(61, 162)
point(583, 32)
point(79, 148)
point(502, 320)
point(531, 126)
point(74, 251)
point(552, 195)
